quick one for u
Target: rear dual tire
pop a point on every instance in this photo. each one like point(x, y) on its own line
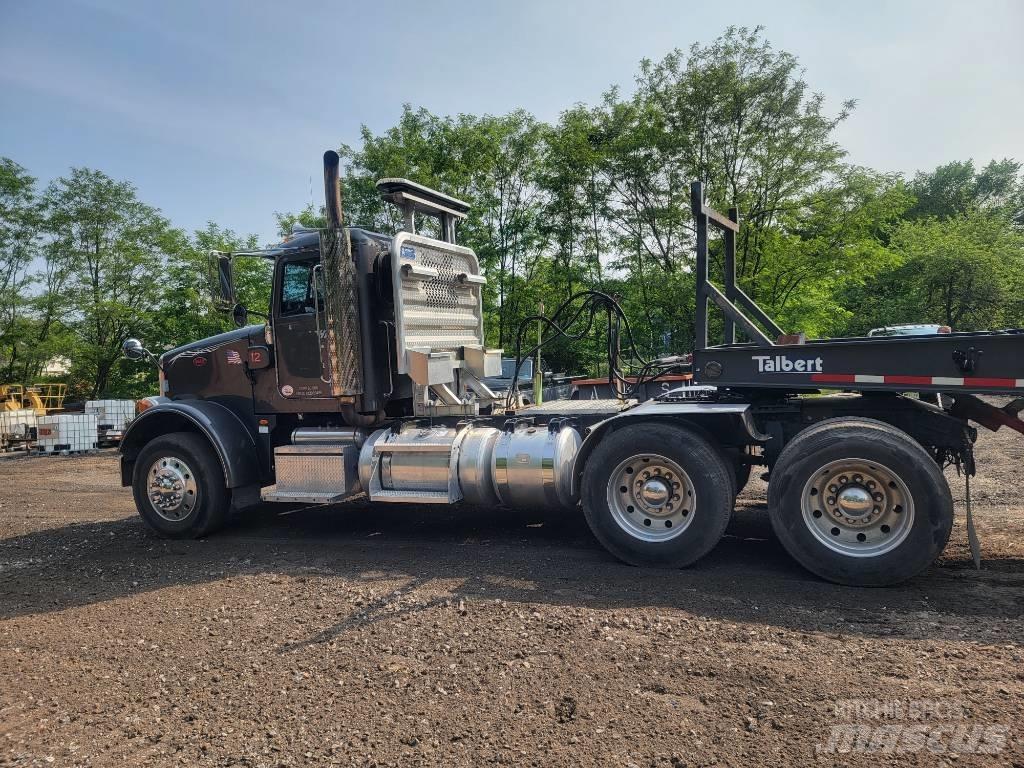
point(657, 495)
point(859, 502)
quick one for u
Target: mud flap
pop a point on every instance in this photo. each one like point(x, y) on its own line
point(972, 534)
point(990, 417)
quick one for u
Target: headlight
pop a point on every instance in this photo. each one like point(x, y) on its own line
point(145, 403)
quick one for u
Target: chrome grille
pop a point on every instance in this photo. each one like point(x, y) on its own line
point(439, 313)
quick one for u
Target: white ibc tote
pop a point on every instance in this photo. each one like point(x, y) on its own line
point(66, 432)
point(112, 414)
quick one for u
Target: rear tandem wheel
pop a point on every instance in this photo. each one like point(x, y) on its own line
point(859, 502)
point(657, 495)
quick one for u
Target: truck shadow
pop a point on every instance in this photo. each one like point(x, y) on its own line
point(530, 558)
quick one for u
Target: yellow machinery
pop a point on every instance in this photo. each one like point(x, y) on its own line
point(41, 398)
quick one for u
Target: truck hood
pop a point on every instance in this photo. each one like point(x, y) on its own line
point(211, 343)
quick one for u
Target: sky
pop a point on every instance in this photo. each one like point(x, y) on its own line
point(221, 110)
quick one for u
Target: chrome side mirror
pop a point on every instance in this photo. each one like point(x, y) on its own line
point(133, 350)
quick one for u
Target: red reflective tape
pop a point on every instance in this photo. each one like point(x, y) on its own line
point(918, 381)
point(976, 381)
point(924, 381)
point(834, 378)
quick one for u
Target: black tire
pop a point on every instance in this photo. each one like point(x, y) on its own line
point(907, 534)
point(698, 530)
point(191, 459)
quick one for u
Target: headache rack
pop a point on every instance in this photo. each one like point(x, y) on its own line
point(984, 362)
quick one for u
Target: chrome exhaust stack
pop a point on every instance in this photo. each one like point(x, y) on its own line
point(345, 368)
point(332, 189)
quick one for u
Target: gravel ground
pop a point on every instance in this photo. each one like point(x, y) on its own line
point(353, 635)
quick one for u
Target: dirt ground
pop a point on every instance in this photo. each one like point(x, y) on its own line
point(406, 636)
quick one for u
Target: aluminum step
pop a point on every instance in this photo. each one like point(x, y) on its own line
point(271, 493)
point(415, 497)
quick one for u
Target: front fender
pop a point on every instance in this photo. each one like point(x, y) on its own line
point(233, 443)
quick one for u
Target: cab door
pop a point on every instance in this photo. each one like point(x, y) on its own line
point(300, 330)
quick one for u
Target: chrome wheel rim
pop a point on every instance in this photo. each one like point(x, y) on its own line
point(651, 497)
point(172, 488)
point(857, 507)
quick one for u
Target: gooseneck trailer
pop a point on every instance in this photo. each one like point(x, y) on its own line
point(366, 381)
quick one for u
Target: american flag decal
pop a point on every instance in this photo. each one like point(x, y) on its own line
point(233, 357)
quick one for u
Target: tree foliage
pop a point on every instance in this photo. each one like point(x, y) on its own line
point(597, 199)
point(19, 227)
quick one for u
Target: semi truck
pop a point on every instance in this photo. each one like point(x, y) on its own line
point(366, 379)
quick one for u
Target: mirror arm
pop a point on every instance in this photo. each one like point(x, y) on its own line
point(156, 361)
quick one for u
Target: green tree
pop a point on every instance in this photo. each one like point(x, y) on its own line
point(575, 215)
point(19, 232)
point(958, 188)
point(963, 272)
point(106, 253)
point(187, 309)
point(739, 116)
point(826, 249)
point(308, 218)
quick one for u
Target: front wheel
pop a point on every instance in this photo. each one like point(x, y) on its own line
point(657, 495)
point(179, 487)
point(859, 502)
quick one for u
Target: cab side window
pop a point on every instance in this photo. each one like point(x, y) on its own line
point(301, 289)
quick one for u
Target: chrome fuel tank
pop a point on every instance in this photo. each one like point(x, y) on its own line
point(523, 466)
point(533, 465)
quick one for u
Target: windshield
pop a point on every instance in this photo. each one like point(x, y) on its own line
point(298, 295)
point(508, 369)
